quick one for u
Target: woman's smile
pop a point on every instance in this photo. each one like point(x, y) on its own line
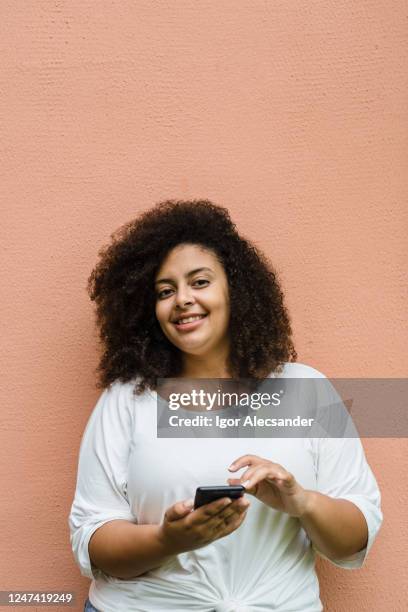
point(186, 324)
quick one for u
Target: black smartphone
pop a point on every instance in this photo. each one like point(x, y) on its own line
point(205, 495)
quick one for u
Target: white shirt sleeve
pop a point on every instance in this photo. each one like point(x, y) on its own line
point(343, 472)
point(100, 494)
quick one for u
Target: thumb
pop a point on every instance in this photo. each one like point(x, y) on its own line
point(236, 481)
point(179, 510)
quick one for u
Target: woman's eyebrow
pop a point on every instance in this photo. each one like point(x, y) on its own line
point(170, 280)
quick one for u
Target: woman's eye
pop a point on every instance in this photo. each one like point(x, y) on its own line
point(200, 282)
point(162, 294)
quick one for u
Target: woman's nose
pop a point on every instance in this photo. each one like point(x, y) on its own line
point(183, 298)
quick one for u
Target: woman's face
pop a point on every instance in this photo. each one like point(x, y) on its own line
point(191, 282)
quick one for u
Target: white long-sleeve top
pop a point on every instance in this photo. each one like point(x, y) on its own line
point(126, 472)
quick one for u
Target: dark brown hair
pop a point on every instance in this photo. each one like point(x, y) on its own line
point(122, 286)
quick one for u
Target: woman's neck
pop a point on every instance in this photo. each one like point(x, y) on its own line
point(197, 366)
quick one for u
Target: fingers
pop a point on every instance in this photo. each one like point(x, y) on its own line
point(264, 470)
point(212, 517)
point(251, 477)
point(249, 490)
point(206, 524)
point(229, 514)
point(236, 507)
point(254, 475)
point(275, 470)
point(179, 510)
point(243, 461)
point(201, 515)
point(211, 521)
point(272, 472)
point(213, 508)
point(255, 463)
point(234, 481)
point(208, 511)
point(232, 521)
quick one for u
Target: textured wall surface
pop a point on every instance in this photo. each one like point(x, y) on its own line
point(291, 114)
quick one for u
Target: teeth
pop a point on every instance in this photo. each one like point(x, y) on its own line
point(190, 319)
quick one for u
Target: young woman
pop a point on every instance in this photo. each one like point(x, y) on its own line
point(180, 294)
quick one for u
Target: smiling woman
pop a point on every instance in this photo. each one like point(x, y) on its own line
point(180, 294)
point(192, 309)
point(187, 258)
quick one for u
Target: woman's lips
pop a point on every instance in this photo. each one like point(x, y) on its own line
point(189, 326)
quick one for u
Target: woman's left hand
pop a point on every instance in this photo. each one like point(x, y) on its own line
point(271, 484)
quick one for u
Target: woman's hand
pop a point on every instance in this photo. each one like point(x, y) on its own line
point(271, 484)
point(185, 529)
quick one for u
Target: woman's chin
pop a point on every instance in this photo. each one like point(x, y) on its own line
point(192, 348)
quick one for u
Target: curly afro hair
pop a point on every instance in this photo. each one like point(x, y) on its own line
point(122, 286)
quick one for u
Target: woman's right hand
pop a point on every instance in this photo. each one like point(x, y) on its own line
point(184, 529)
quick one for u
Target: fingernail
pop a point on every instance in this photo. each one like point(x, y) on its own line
point(231, 467)
point(246, 483)
point(189, 503)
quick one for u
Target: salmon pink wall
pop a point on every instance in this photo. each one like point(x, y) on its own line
point(293, 115)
